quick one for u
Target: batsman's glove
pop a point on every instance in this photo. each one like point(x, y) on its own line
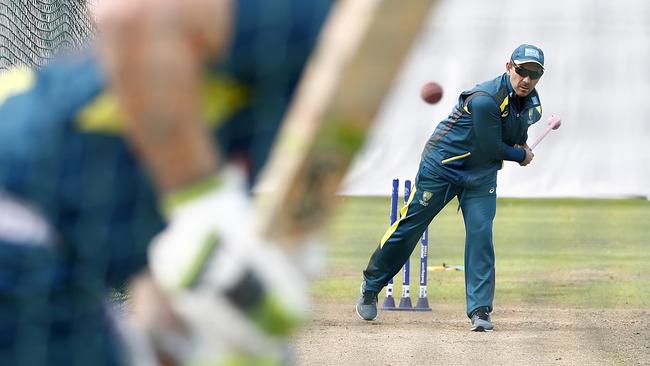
point(228, 286)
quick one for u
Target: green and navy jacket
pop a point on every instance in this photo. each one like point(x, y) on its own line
point(482, 129)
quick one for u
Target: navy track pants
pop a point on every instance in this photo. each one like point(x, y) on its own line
point(430, 195)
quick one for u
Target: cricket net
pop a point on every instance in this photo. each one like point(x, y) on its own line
point(34, 31)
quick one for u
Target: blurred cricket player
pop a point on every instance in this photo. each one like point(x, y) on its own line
point(101, 151)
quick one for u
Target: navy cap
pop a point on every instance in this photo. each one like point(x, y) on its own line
point(528, 53)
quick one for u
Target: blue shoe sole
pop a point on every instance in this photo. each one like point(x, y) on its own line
point(481, 329)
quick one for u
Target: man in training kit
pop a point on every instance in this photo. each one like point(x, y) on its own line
point(461, 159)
point(102, 151)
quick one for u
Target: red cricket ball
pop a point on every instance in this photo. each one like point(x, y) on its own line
point(431, 92)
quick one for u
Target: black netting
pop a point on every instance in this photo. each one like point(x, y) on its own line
point(33, 31)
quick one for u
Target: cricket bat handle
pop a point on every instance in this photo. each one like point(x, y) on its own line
point(554, 123)
point(539, 139)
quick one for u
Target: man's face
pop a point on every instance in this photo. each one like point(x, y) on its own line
point(524, 77)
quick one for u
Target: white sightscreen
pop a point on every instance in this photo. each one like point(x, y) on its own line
point(597, 80)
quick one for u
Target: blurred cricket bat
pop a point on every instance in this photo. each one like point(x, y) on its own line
point(361, 49)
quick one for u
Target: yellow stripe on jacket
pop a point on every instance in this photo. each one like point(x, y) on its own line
point(221, 98)
point(15, 81)
point(457, 157)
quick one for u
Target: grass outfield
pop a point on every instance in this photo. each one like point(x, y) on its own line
point(560, 252)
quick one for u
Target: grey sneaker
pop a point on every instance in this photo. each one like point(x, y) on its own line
point(367, 305)
point(481, 321)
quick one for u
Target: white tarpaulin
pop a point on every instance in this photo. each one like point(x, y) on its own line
point(597, 79)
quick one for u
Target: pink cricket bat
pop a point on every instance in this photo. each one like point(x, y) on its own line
point(554, 123)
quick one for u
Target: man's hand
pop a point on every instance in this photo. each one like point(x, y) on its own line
point(529, 154)
point(228, 286)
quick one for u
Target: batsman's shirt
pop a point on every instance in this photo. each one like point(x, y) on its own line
point(64, 162)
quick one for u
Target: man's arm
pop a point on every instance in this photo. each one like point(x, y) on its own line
point(154, 53)
point(486, 120)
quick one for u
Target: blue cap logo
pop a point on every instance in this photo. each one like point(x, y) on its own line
point(528, 53)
